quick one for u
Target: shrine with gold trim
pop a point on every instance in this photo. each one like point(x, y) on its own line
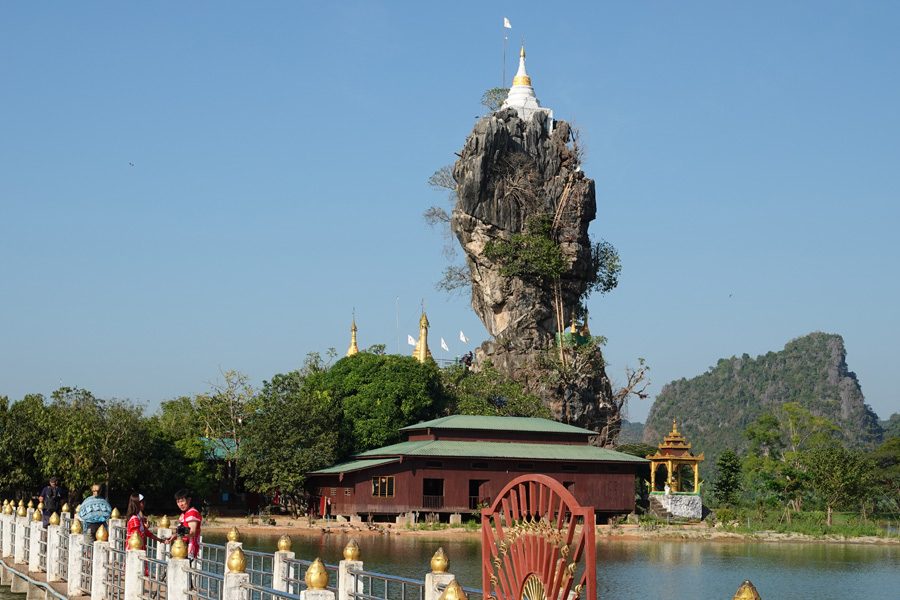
point(670, 485)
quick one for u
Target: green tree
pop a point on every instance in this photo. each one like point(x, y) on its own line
point(728, 486)
point(292, 433)
point(180, 427)
point(493, 98)
point(22, 429)
point(381, 394)
point(838, 475)
point(489, 392)
point(886, 472)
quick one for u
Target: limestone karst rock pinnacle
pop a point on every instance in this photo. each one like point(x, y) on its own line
point(510, 170)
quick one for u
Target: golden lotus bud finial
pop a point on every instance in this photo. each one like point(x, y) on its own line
point(179, 548)
point(746, 592)
point(351, 551)
point(135, 542)
point(284, 543)
point(22, 511)
point(164, 522)
point(7, 510)
point(40, 506)
point(5, 502)
point(21, 502)
point(114, 514)
point(65, 507)
point(54, 519)
point(316, 577)
point(102, 535)
point(77, 507)
point(237, 562)
point(234, 535)
point(36, 515)
point(453, 591)
point(439, 562)
point(30, 504)
point(76, 526)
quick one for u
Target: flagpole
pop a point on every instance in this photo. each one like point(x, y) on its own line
point(504, 55)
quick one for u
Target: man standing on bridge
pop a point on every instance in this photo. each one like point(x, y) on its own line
point(52, 497)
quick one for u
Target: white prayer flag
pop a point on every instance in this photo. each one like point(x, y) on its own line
point(506, 23)
point(462, 336)
point(444, 345)
point(410, 340)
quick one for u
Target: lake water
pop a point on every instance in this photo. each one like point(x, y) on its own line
point(641, 570)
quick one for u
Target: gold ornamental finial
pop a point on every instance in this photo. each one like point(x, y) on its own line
point(30, 504)
point(354, 349)
point(237, 562)
point(316, 577)
point(135, 542)
point(439, 562)
point(54, 519)
point(5, 502)
point(65, 507)
point(102, 535)
point(179, 549)
point(351, 550)
point(77, 507)
point(22, 511)
point(453, 591)
point(284, 543)
point(7, 510)
point(76, 527)
point(40, 506)
point(234, 535)
point(522, 53)
point(164, 522)
point(674, 427)
point(36, 515)
point(422, 352)
point(21, 502)
point(574, 330)
point(115, 514)
point(746, 592)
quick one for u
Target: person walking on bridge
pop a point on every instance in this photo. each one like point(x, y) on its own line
point(53, 498)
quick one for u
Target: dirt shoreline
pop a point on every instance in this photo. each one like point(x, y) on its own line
point(627, 533)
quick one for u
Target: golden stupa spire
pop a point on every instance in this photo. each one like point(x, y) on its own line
point(522, 77)
point(422, 353)
point(354, 349)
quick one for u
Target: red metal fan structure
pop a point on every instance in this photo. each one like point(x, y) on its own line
point(538, 543)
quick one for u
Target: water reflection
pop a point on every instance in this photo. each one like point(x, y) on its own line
point(628, 570)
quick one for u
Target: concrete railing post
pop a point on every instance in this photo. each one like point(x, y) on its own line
point(19, 550)
point(308, 594)
point(348, 583)
point(6, 548)
point(234, 588)
point(76, 543)
point(280, 569)
point(162, 533)
point(34, 551)
point(134, 568)
point(54, 539)
point(434, 582)
point(117, 539)
point(177, 579)
point(99, 567)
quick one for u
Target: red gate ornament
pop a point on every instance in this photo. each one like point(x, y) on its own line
point(537, 542)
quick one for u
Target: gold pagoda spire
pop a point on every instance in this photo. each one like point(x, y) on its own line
point(522, 77)
point(422, 353)
point(354, 349)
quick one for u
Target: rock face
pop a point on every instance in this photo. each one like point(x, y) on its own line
point(714, 409)
point(509, 171)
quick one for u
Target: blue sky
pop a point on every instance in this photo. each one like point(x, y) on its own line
point(746, 158)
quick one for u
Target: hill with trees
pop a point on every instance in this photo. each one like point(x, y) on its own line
point(714, 409)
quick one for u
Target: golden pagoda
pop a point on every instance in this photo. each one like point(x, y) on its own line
point(422, 353)
point(354, 349)
point(674, 454)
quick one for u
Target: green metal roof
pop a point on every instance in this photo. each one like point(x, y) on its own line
point(354, 465)
point(515, 450)
point(493, 423)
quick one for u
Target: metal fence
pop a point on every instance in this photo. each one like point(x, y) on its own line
point(42, 550)
point(115, 575)
point(87, 568)
point(26, 540)
point(63, 551)
point(154, 578)
point(296, 572)
point(211, 558)
point(205, 585)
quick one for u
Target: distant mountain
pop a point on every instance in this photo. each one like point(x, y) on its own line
point(713, 409)
point(631, 432)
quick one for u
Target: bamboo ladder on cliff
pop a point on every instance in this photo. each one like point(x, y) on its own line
point(557, 286)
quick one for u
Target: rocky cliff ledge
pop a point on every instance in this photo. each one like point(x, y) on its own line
point(509, 172)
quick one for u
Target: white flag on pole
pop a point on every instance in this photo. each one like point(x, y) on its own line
point(506, 23)
point(462, 336)
point(444, 345)
point(410, 340)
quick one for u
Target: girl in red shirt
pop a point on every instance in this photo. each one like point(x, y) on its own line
point(136, 520)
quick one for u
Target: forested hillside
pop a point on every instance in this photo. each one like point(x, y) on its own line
point(714, 408)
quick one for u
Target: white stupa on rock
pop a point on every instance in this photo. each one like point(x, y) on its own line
point(521, 95)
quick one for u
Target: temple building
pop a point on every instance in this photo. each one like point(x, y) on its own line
point(670, 489)
point(522, 97)
point(456, 464)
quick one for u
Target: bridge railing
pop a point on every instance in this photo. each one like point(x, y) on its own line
point(106, 570)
